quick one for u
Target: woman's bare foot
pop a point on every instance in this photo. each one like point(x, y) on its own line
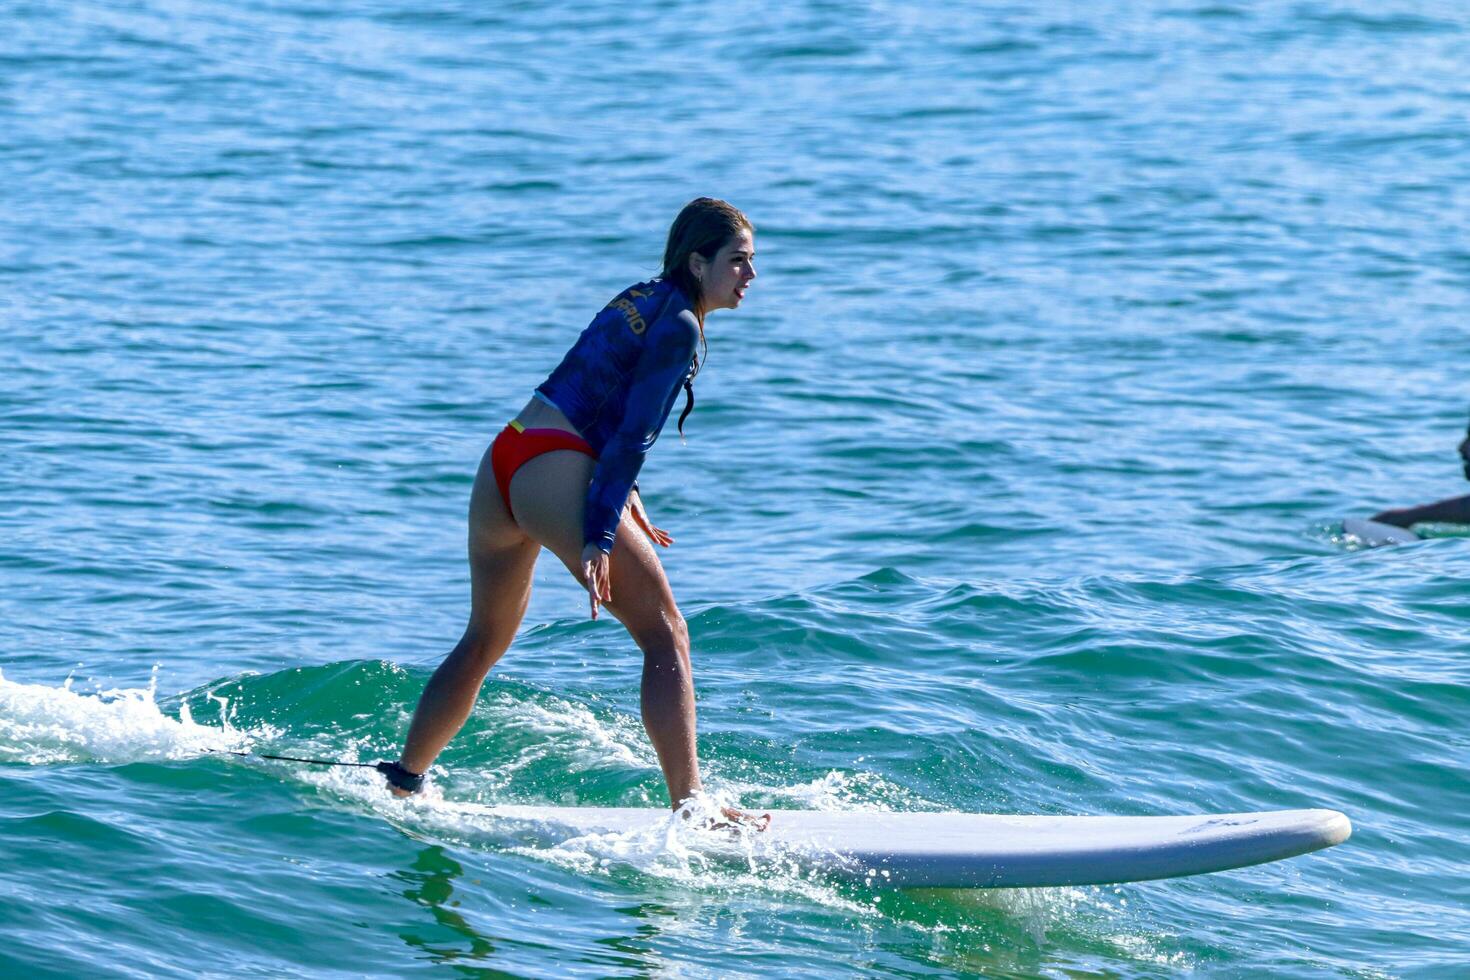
point(739, 818)
point(729, 818)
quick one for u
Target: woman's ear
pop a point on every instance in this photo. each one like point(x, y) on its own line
point(697, 266)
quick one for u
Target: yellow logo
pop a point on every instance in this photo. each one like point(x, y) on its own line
point(630, 313)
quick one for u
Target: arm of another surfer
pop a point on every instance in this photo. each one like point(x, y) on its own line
point(1452, 510)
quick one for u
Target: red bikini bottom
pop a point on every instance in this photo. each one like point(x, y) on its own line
point(517, 445)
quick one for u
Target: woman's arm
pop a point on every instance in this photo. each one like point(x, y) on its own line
point(661, 369)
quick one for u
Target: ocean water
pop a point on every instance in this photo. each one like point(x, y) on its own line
point(1013, 487)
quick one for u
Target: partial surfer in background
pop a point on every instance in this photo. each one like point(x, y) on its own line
point(1451, 510)
point(562, 475)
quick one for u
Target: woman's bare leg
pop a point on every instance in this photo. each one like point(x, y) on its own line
point(548, 495)
point(502, 559)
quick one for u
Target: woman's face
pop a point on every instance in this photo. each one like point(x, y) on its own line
point(724, 278)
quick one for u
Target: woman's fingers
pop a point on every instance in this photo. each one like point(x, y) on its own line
point(597, 573)
point(655, 534)
point(589, 573)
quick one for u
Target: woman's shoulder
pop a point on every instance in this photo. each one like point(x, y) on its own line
point(652, 297)
point(657, 305)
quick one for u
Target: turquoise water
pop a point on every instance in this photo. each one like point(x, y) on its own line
point(1013, 487)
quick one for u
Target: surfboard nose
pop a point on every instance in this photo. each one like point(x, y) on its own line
point(1332, 827)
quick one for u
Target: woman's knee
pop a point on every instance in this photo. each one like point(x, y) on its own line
point(665, 632)
point(476, 652)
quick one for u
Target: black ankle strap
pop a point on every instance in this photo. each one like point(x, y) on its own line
point(401, 777)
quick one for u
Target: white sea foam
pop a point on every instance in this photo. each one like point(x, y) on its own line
point(574, 729)
point(676, 849)
point(835, 791)
point(41, 725)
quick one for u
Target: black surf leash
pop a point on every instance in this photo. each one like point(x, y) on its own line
point(397, 775)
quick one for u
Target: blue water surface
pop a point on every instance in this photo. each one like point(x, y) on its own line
point(1014, 486)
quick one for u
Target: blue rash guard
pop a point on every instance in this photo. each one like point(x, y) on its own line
point(617, 385)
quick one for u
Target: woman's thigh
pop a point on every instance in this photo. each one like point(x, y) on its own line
point(502, 559)
point(549, 497)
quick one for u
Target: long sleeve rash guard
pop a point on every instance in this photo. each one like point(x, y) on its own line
point(617, 385)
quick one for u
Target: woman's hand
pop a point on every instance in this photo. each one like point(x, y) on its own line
point(597, 575)
point(640, 517)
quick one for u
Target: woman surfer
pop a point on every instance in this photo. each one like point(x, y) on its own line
point(562, 474)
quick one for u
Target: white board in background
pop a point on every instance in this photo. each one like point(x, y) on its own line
point(962, 850)
point(1374, 534)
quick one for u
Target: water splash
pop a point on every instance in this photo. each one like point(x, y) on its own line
point(560, 725)
point(837, 790)
point(42, 725)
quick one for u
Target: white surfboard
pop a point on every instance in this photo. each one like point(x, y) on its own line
point(1374, 534)
point(966, 850)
